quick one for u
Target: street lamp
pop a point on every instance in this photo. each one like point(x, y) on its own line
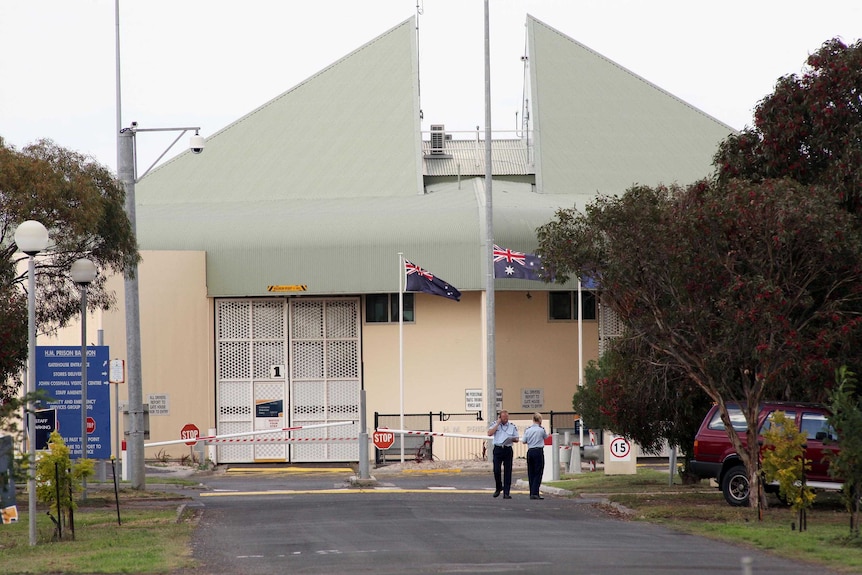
point(31, 237)
point(83, 272)
point(127, 170)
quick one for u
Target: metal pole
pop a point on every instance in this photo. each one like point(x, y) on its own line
point(491, 391)
point(84, 383)
point(31, 389)
point(363, 438)
point(135, 443)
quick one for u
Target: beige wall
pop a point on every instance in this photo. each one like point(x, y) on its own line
point(443, 349)
point(443, 354)
point(176, 342)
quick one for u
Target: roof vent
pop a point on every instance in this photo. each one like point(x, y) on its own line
point(438, 138)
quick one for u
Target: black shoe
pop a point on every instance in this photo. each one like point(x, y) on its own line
point(539, 497)
point(534, 496)
point(507, 497)
point(497, 493)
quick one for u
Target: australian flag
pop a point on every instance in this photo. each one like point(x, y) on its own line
point(517, 265)
point(424, 281)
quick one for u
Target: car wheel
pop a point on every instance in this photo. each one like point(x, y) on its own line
point(735, 486)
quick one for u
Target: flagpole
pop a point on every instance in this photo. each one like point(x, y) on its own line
point(580, 354)
point(401, 343)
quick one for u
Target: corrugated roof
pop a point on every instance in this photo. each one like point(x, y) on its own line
point(509, 157)
point(323, 186)
point(601, 128)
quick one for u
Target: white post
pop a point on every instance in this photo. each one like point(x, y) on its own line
point(401, 345)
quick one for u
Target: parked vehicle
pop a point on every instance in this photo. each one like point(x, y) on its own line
point(716, 458)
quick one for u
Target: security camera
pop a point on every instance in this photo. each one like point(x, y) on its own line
point(197, 143)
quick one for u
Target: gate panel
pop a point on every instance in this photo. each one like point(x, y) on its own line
point(325, 377)
point(280, 364)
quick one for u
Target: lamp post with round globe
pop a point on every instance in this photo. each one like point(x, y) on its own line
point(83, 272)
point(31, 237)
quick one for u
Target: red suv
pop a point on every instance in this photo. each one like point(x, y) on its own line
point(715, 457)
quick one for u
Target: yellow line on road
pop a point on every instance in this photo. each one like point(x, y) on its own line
point(344, 492)
point(250, 470)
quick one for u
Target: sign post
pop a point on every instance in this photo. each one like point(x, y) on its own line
point(191, 432)
point(618, 455)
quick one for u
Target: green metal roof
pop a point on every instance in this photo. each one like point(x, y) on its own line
point(323, 186)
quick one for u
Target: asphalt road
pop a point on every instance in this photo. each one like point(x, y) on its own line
point(316, 522)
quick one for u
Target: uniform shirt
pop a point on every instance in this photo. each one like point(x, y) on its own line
point(505, 433)
point(534, 436)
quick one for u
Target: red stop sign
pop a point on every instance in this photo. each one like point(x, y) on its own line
point(383, 439)
point(190, 431)
point(91, 425)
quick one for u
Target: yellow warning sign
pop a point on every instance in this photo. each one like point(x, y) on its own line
point(301, 287)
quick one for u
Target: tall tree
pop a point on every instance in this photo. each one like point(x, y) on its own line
point(750, 291)
point(82, 205)
point(809, 129)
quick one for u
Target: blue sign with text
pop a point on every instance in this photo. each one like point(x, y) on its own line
point(58, 374)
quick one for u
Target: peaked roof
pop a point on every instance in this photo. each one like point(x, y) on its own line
point(600, 128)
point(317, 140)
point(323, 185)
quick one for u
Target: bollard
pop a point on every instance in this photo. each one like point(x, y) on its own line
point(555, 457)
point(575, 458)
point(746, 565)
point(212, 450)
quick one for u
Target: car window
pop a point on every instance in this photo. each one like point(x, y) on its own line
point(815, 426)
point(767, 422)
point(736, 419)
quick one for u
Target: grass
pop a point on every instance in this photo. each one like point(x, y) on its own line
point(701, 510)
point(151, 539)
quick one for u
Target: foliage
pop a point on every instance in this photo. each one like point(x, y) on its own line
point(748, 291)
point(846, 463)
point(82, 205)
point(617, 395)
point(57, 480)
point(809, 129)
point(784, 460)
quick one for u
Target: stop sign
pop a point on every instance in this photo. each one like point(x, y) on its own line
point(91, 425)
point(383, 439)
point(190, 431)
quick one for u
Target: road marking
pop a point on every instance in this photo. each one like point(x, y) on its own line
point(345, 491)
point(252, 470)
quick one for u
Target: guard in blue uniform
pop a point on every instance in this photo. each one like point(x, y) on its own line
point(504, 434)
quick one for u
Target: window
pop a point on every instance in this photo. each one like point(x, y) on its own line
point(563, 305)
point(816, 427)
point(737, 419)
point(383, 308)
point(767, 423)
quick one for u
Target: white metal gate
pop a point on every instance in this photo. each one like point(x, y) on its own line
point(259, 387)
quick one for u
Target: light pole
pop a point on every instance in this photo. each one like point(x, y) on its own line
point(31, 237)
point(127, 172)
point(83, 272)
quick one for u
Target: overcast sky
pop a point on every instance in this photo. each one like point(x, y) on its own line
point(209, 62)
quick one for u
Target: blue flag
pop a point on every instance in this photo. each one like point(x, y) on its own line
point(422, 280)
point(516, 265)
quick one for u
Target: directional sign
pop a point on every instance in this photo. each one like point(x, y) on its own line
point(383, 439)
point(190, 431)
point(621, 449)
point(58, 374)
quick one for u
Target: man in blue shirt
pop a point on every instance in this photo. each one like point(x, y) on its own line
point(534, 437)
point(504, 434)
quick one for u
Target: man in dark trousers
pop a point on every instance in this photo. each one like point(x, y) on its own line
point(504, 434)
point(534, 437)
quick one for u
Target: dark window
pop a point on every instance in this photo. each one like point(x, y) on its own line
point(562, 305)
point(383, 308)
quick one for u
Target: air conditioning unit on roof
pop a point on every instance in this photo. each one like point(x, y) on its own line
point(438, 138)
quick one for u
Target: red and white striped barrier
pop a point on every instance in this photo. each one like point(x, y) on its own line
point(279, 439)
point(217, 438)
point(434, 433)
